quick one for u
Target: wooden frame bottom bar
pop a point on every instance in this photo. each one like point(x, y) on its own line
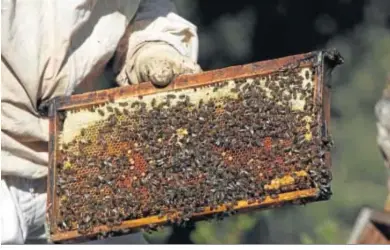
point(242, 205)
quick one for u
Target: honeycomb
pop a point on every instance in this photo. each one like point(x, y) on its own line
point(183, 152)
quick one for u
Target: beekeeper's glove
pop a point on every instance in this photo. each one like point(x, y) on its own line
point(159, 63)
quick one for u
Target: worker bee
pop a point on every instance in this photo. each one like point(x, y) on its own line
point(126, 112)
point(112, 120)
point(82, 132)
point(234, 90)
point(123, 104)
point(109, 109)
point(117, 111)
point(135, 104)
point(171, 96)
point(100, 112)
point(308, 86)
point(142, 105)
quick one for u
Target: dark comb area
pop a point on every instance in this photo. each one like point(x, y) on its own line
point(177, 155)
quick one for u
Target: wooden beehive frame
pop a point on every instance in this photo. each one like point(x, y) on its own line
point(321, 61)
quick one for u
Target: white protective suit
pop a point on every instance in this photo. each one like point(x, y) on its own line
point(50, 47)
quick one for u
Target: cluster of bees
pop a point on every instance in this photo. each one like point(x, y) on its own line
point(177, 158)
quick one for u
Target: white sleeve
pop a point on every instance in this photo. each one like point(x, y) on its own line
point(163, 25)
point(95, 43)
point(53, 45)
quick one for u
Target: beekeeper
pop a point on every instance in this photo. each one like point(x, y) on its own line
point(50, 47)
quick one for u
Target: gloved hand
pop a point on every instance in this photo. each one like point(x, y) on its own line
point(159, 63)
